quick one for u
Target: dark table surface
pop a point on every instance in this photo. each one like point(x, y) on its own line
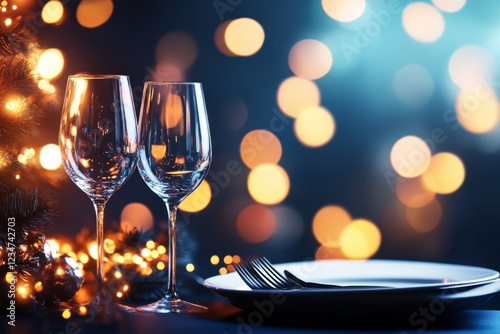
point(224, 318)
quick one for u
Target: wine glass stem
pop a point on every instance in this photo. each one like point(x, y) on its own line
point(99, 207)
point(171, 288)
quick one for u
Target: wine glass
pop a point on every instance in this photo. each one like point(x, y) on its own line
point(174, 157)
point(98, 141)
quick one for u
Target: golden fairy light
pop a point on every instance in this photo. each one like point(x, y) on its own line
point(360, 240)
point(244, 36)
point(136, 215)
point(50, 157)
point(50, 63)
point(426, 218)
point(314, 126)
point(268, 184)
point(198, 199)
point(413, 193)
point(445, 174)
point(478, 111)
point(52, 12)
point(423, 22)
point(295, 94)
point(94, 13)
point(190, 267)
point(260, 146)
point(328, 224)
point(214, 259)
point(410, 156)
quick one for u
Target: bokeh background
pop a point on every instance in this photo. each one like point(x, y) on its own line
point(341, 129)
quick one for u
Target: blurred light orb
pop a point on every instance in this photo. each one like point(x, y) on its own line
point(314, 126)
point(360, 239)
point(445, 174)
point(167, 71)
point(220, 39)
point(478, 111)
point(178, 49)
point(268, 184)
point(449, 6)
point(50, 157)
point(410, 156)
point(425, 219)
point(471, 66)
point(94, 13)
point(244, 36)
point(50, 63)
point(423, 22)
point(329, 253)
point(260, 146)
point(413, 193)
point(344, 10)
point(256, 223)
point(52, 12)
point(136, 215)
point(310, 59)
point(413, 85)
point(236, 114)
point(296, 94)
point(198, 199)
point(328, 223)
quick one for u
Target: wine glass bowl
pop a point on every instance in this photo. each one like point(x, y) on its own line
point(174, 157)
point(99, 141)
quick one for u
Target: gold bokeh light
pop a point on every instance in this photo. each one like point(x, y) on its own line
point(268, 184)
point(344, 10)
point(50, 157)
point(295, 94)
point(260, 146)
point(314, 126)
point(244, 36)
point(52, 12)
point(198, 199)
point(328, 224)
point(445, 174)
point(310, 59)
point(50, 63)
point(413, 193)
point(360, 239)
point(94, 13)
point(478, 111)
point(423, 22)
point(410, 156)
point(256, 223)
point(178, 49)
point(425, 219)
point(136, 215)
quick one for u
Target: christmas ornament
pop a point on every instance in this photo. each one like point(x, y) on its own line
point(62, 277)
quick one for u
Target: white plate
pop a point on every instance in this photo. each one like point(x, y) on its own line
point(411, 285)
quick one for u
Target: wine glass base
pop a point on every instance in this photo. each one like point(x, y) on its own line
point(175, 305)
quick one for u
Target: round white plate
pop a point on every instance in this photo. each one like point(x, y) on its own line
point(410, 286)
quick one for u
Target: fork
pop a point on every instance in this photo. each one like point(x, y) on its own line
point(260, 274)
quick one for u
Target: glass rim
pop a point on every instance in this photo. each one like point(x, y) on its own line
point(166, 83)
point(96, 76)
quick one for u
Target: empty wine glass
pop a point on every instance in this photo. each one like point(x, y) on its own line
point(174, 157)
point(98, 141)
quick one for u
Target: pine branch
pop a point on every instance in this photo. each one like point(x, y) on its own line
point(18, 86)
point(33, 212)
point(14, 38)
